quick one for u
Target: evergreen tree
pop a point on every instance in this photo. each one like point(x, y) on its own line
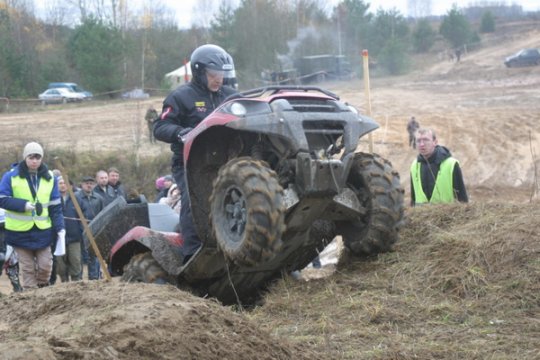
point(423, 36)
point(487, 24)
point(455, 28)
point(97, 53)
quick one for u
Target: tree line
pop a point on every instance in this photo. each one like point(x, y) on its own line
point(105, 46)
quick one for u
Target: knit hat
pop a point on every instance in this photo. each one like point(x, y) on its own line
point(168, 178)
point(159, 182)
point(32, 148)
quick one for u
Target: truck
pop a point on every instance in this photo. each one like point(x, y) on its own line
point(310, 69)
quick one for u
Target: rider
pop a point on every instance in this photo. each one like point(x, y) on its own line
point(183, 109)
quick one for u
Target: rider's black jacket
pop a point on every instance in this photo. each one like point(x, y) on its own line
point(183, 108)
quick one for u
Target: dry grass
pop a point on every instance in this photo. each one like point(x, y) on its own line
point(463, 283)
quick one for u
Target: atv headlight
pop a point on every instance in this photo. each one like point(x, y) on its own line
point(238, 109)
point(244, 107)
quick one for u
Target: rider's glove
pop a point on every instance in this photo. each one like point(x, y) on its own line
point(183, 133)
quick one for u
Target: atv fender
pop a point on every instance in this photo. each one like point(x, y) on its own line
point(165, 248)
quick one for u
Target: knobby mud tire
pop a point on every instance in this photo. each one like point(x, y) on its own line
point(144, 268)
point(378, 188)
point(247, 211)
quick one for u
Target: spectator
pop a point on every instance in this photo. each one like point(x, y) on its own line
point(11, 267)
point(103, 189)
point(151, 116)
point(172, 199)
point(412, 126)
point(435, 175)
point(168, 181)
point(8, 258)
point(29, 194)
point(2, 241)
point(93, 204)
point(184, 109)
point(115, 184)
point(69, 266)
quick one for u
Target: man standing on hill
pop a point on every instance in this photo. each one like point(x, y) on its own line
point(412, 126)
point(184, 109)
point(151, 116)
point(435, 175)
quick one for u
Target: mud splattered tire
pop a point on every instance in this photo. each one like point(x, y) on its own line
point(378, 189)
point(144, 268)
point(247, 211)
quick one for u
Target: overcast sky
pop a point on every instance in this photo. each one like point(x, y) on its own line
point(184, 8)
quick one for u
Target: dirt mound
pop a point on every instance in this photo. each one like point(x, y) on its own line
point(99, 320)
point(463, 283)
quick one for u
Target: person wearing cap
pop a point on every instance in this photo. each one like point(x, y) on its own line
point(183, 109)
point(29, 194)
point(93, 203)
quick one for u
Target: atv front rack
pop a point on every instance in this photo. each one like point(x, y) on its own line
point(274, 89)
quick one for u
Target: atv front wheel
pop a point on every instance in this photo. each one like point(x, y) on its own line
point(144, 268)
point(377, 187)
point(247, 211)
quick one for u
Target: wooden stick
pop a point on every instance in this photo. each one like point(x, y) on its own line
point(84, 221)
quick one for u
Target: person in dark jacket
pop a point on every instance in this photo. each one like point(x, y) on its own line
point(103, 189)
point(183, 109)
point(29, 194)
point(115, 184)
point(69, 266)
point(435, 175)
point(94, 204)
point(412, 127)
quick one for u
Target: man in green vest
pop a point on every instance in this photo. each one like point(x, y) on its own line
point(435, 175)
point(29, 194)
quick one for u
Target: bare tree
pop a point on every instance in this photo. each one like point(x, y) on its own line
point(419, 8)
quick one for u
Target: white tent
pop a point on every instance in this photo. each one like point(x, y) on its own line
point(179, 76)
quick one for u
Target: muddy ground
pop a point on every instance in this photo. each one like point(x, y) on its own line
point(488, 116)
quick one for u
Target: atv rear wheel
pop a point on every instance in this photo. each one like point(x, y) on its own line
point(144, 268)
point(378, 189)
point(247, 211)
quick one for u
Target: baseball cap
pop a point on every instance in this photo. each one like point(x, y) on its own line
point(88, 179)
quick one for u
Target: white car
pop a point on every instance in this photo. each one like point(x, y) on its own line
point(60, 96)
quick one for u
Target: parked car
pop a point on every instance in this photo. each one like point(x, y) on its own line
point(73, 87)
point(135, 94)
point(523, 58)
point(60, 96)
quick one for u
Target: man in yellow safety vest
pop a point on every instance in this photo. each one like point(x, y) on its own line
point(34, 221)
point(435, 175)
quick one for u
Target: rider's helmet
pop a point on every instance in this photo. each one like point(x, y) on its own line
point(209, 57)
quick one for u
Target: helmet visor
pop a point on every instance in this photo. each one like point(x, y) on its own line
point(214, 74)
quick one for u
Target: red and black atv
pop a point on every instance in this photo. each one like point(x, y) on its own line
point(273, 177)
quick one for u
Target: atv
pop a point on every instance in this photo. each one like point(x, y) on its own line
point(273, 176)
